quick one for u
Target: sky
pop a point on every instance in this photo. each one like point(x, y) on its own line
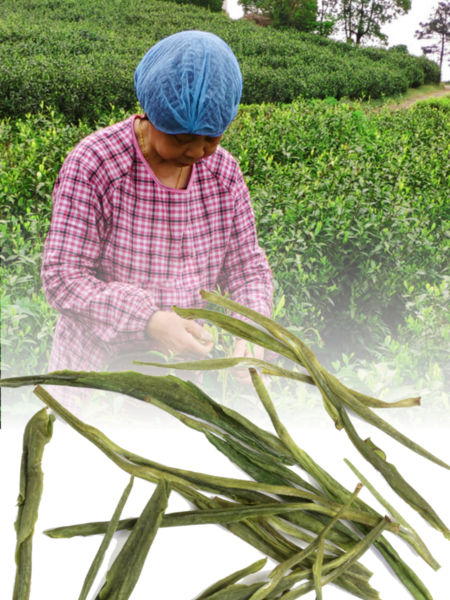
point(400, 31)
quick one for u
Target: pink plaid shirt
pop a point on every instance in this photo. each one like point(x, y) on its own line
point(121, 245)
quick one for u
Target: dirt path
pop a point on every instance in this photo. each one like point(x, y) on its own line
point(411, 101)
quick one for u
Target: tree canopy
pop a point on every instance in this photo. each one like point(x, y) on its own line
point(357, 19)
point(365, 18)
point(438, 29)
point(300, 14)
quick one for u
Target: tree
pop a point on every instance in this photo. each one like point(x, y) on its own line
point(300, 14)
point(437, 27)
point(357, 18)
point(326, 16)
point(365, 18)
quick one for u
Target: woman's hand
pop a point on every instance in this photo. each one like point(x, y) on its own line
point(242, 348)
point(178, 335)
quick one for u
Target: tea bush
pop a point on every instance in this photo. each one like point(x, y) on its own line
point(80, 57)
point(213, 5)
point(27, 319)
point(352, 207)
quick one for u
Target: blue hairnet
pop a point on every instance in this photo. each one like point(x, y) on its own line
point(189, 82)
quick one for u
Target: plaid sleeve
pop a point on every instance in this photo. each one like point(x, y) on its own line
point(113, 311)
point(246, 271)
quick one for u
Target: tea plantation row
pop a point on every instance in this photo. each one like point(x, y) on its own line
point(351, 209)
point(79, 57)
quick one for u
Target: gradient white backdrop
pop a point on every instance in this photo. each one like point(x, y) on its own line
point(81, 484)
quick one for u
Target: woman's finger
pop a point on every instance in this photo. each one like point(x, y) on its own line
point(190, 344)
point(198, 331)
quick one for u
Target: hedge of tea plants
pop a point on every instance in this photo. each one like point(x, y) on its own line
point(352, 205)
point(79, 57)
point(351, 208)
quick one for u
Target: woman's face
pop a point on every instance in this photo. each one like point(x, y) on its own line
point(182, 149)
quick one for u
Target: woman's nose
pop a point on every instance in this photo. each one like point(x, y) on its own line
point(196, 150)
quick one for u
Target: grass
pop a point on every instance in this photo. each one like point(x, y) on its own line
point(410, 96)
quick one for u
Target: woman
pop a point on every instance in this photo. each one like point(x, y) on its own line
point(151, 210)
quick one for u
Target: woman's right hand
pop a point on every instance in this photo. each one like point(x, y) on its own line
point(178, 335)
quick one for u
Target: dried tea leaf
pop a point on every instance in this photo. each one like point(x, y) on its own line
point(110, 529)
point(124, 572)
point(38, 433)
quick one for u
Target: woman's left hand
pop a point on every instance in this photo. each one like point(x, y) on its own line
point(242, 348)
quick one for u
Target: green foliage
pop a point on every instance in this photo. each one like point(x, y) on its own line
point(299, 14)
point(213, 5)
point(27, 319)
point(425, 330)
point(440, 103)
point(80, 57)
point(417, 358)
point(350, 207)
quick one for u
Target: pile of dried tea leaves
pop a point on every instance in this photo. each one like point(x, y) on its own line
point(315, 532)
